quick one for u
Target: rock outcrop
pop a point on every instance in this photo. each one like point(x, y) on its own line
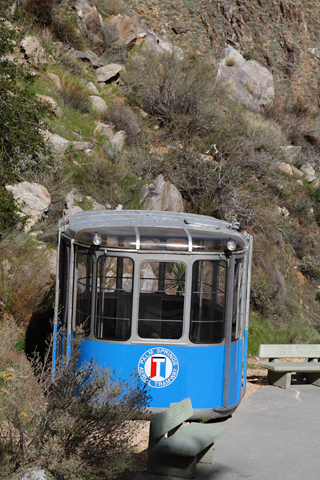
point(162, 196)
point(249, 81)
point(33, 199)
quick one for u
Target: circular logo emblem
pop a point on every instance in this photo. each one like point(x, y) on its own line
point(158, 367)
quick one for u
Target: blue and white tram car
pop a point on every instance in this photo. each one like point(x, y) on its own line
point(162, 293)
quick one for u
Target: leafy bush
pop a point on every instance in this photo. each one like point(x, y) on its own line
point(80, 425)
point(179, 95)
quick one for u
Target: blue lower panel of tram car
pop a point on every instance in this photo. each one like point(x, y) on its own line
point(235, 373)
point(172, 373)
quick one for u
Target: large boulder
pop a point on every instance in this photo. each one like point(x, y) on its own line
point(33, 199)
point(108, 72)
point(250, 81)
point(162, 196)
point(98, 103)
point(54, 107)
point(60, 144)
point(87, 57)
point(125, 28)
point(33, 52)
point(161, 44)
point(118, 140)
point(92, 24)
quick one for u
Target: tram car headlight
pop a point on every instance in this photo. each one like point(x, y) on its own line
point(231, 245)
point(97, 239)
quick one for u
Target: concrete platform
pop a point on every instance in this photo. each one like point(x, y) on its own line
point(273, 435)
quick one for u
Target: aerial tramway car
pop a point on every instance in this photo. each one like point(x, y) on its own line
point(162, 293)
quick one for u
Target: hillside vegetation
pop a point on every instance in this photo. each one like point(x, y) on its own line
point(180, 120)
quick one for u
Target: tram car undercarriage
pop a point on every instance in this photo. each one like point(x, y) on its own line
point(162, 293)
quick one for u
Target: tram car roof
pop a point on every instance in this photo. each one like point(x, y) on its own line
point(153, 230)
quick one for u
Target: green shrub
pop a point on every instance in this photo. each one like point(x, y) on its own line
point(81, 425)
point(178, 94)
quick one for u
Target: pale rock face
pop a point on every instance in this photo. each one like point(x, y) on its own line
point(55, 79)
point(92, 88)
point(108, 72)
point(285, 167)
point(308, 169)
point(118, 140)
point(33, 51)
point(53, 104)
point(251, 82)
point(104, 130)
point(34, 200)
point(162, 196)
point(125, 29)
point(60, 143)
point(98, 103)
point(92, 23)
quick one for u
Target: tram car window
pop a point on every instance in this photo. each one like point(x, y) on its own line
point(162, 293)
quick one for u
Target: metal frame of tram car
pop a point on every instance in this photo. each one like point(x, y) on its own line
point(163, 293)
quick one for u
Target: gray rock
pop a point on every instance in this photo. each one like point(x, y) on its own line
point(179, 28)
point(92, 88)
point(291, 150)
point(251, 82)
point(33, 199)
point(82, 5)
point(159, 184)
point(118, 140)
point(60, 143)
point(108, 72)
point(55, 79)
point(71, 211)
point(144, 192)
point(35, 473)
point(308, 169)
point(53, 104)
point(88, 57)
point(310, 178)
point(33, 51)
point(104, 130)
point(296, 171)
point(162, 44)
point(71, 197)
point(92, 24)
point(163, 196)
point(126, 31)
point(98, 103)
point(119, 207)
point(82, 146)
point(285, 167)
point(98, 206)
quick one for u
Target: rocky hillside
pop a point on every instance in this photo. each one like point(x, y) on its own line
point(206, 107)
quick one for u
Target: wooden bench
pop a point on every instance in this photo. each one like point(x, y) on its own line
point(279, 373)
point(184, 447)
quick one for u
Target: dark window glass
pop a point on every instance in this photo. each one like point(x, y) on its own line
point(162, 286)
point(64, 265)
point(207, 303)
point(236, 306)
point(114, 298)
point(83, 282)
